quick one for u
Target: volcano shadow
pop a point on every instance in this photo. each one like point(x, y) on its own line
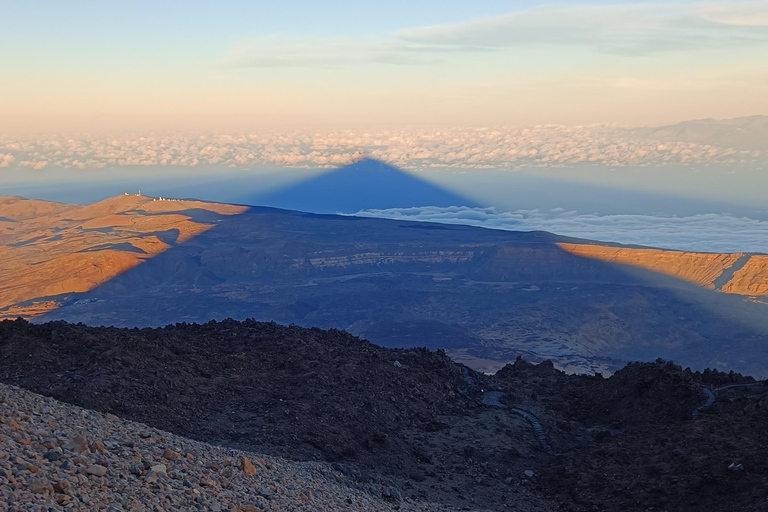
point(496, 294)
point(366, 184)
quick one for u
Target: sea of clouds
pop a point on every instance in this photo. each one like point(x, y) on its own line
point(413, 148)
point(702, 233)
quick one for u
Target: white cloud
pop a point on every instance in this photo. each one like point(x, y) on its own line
point(747, 14)
point(414, 148)
point(625, 29)
point(290, 50)
point(5, 160)
point(702, 233)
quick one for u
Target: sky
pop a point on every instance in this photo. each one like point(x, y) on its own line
point(94, 66)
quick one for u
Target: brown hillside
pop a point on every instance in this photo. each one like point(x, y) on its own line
point(698, 268)
point(50, 249)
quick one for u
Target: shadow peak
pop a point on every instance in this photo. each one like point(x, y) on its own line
point(365, 184)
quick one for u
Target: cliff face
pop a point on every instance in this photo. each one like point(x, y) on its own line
point(751, 279)
point(704, 269)
point(383, 258)
point(698, 268)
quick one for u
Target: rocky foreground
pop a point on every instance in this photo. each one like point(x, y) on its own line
point(397, 427)
point(55, 456)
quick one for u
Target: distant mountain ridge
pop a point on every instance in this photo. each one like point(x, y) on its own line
point(749, 132)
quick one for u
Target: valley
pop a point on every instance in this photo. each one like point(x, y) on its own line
point(487, 295)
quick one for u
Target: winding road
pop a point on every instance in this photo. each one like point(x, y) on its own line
point(493, 399)
point(709, 401)
point(711, 394)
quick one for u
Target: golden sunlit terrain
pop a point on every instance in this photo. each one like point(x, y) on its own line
point(49, 249)
point(703, 269)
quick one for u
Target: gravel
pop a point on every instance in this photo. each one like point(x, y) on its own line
point(55, 456)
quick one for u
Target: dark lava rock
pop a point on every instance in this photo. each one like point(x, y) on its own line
point(623, 443)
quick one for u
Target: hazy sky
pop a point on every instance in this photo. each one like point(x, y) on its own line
point(90, 65)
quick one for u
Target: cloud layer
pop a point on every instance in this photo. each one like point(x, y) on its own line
point(458, 148)
point(702, 233)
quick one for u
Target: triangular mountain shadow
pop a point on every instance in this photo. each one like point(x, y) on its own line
point(365, 184)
